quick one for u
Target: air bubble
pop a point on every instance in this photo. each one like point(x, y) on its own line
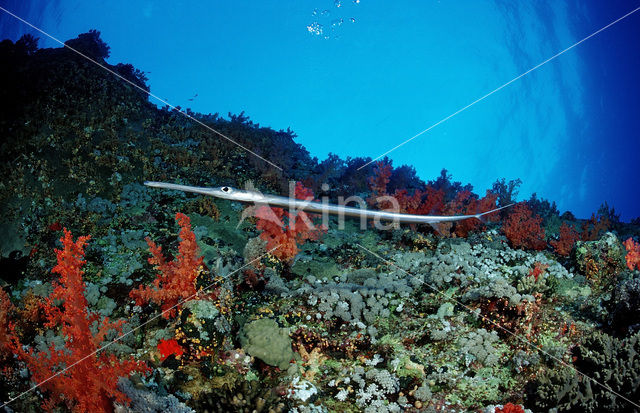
point(338, 3)
point(315, 28)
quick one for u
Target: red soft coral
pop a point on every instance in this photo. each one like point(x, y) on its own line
point(523, 228)
point(538, 270)
point(633, 253)
point(168, 348)
point(6, 310)
point(378, 182)
point(467, 203)
point(432, 202)
point(510, 408)
point(283, 237)
point(176, 280)
point(595, 226)
point(80, 375)
point(568, 237)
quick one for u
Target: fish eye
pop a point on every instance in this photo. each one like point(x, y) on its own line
point(225, 189)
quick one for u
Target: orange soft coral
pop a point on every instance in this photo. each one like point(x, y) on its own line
point(568, 237)
point(523, 228)
point(89, 383)
point(633, 253)
point(176, 280)
point(286, 236)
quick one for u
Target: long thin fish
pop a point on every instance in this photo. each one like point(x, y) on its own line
point(226, 192)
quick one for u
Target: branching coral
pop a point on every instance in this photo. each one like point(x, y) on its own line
point(176, 280)
point(282, 237)
point(78, 374)
point(523, 228)
point(507, 191)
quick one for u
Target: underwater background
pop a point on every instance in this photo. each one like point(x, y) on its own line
point(115, 296)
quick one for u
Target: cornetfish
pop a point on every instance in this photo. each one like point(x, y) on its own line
point(233, 194)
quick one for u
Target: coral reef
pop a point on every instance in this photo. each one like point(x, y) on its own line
point(472, 316)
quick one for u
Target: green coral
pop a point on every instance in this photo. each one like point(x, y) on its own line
point(223, 229)
point(322, 267)
point(265, 340)
point(481, 346)
point(612, 362)
point(486, 386)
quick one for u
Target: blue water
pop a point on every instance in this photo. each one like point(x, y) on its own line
point(361, 78)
